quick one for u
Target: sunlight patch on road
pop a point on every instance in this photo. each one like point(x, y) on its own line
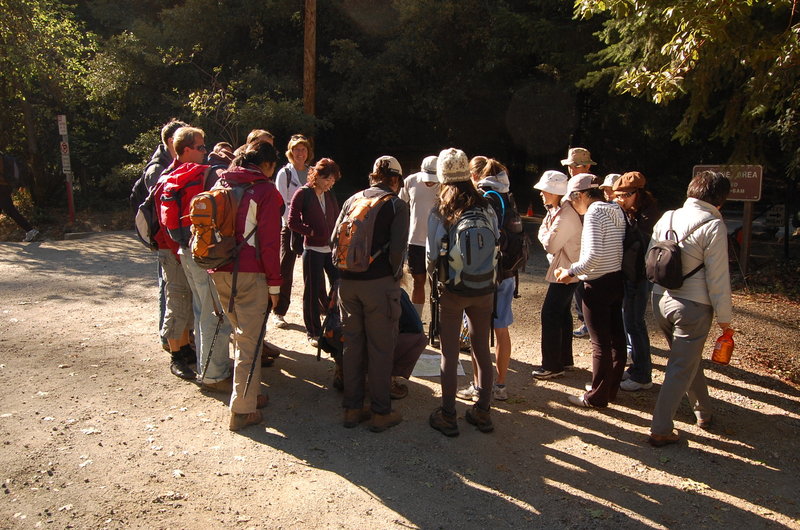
point(497, 493)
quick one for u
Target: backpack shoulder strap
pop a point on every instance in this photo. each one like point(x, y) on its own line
point(502, 205)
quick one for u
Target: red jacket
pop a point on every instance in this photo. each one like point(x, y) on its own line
point(261, 206)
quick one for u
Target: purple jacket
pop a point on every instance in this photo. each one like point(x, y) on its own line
point(306, 216)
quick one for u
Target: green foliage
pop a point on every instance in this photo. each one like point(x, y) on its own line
point(735, 61)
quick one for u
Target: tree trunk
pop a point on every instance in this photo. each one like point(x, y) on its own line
point(34, 160)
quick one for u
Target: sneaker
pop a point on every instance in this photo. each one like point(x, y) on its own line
point(480, 418)
point(279, 322)
point(629, 385)
point(381, 422)
point(444, 423)
point(398, 390)
point(588, 387)
point(30, 235)
point(468, 394)
point(352, 417)
point(546, 374)
point(499, 392)
point(240, 421)
point(581, 332)
point(580, 401)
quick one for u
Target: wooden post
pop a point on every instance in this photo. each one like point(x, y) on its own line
point(747, 232)
point(310, 58)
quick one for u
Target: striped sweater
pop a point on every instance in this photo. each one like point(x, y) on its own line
point(601, 241)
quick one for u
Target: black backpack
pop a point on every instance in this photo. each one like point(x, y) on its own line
point(514, 243)
point(633, 249)
point(663, 261)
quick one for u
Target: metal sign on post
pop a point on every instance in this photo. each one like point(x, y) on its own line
point(66, 164)
point(746, 181)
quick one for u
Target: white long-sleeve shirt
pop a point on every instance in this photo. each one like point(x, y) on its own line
point(708, 244)
point(601, 241)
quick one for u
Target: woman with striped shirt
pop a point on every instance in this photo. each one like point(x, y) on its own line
point(600, 268)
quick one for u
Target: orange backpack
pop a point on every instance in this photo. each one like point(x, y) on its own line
point(352, 241)
point(213, 217)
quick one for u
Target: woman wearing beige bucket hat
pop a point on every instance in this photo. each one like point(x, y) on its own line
point(560, 235)
point(600, 268)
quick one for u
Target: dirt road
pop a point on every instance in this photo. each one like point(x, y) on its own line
point(97, 433)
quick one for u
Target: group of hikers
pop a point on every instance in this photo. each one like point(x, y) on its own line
point(454, 228)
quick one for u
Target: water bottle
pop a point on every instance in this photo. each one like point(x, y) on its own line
point(723, 347)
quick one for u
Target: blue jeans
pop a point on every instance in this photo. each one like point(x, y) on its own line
point(634, 305)
point(208, 330)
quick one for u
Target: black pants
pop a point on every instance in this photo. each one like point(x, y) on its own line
point(7, 207)
point(602, 310)
point(557, 327)
point(288, 257)
point(316, 265)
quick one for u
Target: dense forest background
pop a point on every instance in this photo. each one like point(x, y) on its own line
point(655, 86)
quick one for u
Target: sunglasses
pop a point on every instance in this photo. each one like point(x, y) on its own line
point(624, 195)
point(298, 137)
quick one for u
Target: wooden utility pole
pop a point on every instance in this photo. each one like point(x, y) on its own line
point(310, 58)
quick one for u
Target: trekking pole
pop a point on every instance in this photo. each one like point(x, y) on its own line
point(255, 354)
point(220, 315)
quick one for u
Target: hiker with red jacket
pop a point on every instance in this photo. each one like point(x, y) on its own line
point(187, 177)
point(255, 278)
point(189, 148)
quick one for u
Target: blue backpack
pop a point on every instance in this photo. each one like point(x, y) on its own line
point(472, 251)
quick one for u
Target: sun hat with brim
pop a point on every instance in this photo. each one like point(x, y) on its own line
point(633, 180)
point(428, 173)
point(582, 182)
point(578, 156)
point(610, 179)
point(554, 182)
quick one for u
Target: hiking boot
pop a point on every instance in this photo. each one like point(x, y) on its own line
point(444, 423)
point(240, 421)
point(629, 385)
point(546, 374)
point(660, 440)
point(30, 235)
point(279, 322)
point(381, 422)
point(469, 393)
point(581, 332)
point(223, 387)
point(499, 392)
point(480, 418)
point(352, 417)
point(180, 368)
point(398, 390)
